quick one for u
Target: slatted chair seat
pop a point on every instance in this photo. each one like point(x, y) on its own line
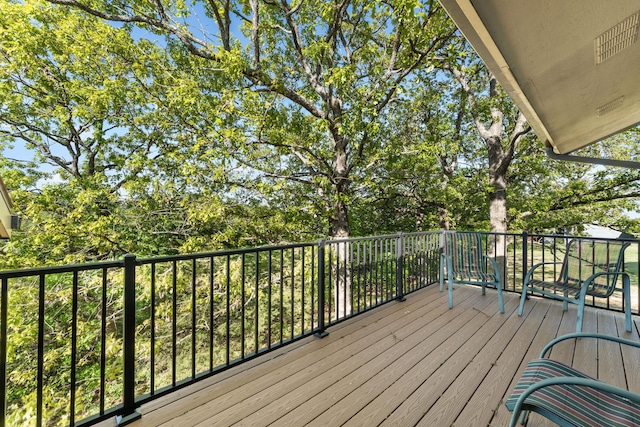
point(474, 276)
point(569, 397)
point(589, 268)
point(571, 289)
point(463, 261)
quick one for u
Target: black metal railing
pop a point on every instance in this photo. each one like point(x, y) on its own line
point(82, 343)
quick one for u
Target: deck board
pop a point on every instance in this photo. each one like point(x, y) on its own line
point(545, 330)
point(409, 345)
point(609, 353)
point(407, 363)
point(498, 381)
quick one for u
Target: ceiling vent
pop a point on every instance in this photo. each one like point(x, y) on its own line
point(610, 106)
point(617, 38)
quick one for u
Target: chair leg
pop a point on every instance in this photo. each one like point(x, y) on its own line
point(523, 298)
point(627, 302)
point(580, 316)
point(500, 299)
point(523, 417)
point(450, 293)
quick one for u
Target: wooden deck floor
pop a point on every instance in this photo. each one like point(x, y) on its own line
point(408, 363)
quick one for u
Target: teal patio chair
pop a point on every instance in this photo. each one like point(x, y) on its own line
point(569, 397)
point(589, 267)
point(465, 262)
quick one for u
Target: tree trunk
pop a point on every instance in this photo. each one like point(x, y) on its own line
point(443, 218)
point(340, 226)
point(498, 221)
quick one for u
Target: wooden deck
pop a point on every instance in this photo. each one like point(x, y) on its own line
point(407, 363)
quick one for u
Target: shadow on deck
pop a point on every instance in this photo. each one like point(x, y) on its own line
point(407, 363)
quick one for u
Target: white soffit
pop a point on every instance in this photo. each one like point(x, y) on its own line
point(571, 66)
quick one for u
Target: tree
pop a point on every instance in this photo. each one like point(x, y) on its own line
point(316, 76)
point(545, 195)
point(497, 122)
point(72, 92)
point(551, 195)
point(420, 179)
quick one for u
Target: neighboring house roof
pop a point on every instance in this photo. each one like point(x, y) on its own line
point(6, 211)
point(571, 66)
point(604, 232)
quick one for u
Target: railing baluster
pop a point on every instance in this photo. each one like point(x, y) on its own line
point(302, 281)
point(74, 347)
point(328, 295)
point(152, 373)
point(321, 279)
point(174, 323)
point(377, 245)
point(359, 274)
point(399, 267)
point(242, 300)
point(313, 283)
point(257, 293)
point(228, 309)
point(638, 275)
point(269, 307)
point(371, 292)
point(211, 311)
point(346, 279)
point(41, 301)
point(194, 306)
point(103, 339)
point(292, 282)
point(281, 280)
point(4, 304)
point(351, 279)
point(385, 269)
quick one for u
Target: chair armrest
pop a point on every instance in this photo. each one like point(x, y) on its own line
point(587, 335)
point(493, 263)
point(535, 266)
point(585, 382)
point(590, 279)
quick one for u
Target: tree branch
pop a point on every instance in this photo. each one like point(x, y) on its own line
point(193, 44)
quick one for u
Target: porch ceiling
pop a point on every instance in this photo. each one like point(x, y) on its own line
point(571, 66)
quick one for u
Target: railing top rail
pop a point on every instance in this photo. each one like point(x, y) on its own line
point(381, 237)
point(222, 253)
point(552, 236)
point(36, 271)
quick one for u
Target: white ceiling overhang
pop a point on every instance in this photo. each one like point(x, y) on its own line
point(571, 66)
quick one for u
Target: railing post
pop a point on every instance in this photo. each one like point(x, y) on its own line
point(525, 255)
point(321, 333)
point(129, 349)
point(4, 304)
point(400, 267)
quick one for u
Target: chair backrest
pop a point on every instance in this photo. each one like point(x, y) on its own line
point(465, 250)
point(585, 257)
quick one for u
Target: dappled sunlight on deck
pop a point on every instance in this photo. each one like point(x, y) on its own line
point(407, 363)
